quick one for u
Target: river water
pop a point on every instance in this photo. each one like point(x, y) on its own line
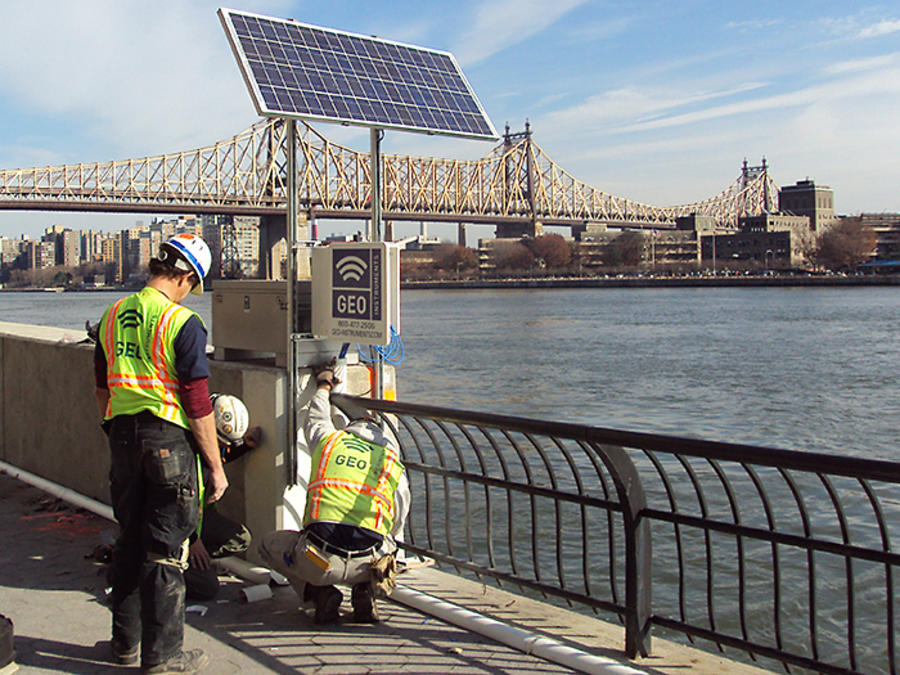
point(795, 368)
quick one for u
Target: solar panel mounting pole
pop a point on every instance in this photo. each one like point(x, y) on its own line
point(375, 135)
point(291, 273)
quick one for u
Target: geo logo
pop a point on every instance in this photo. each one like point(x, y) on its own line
point(130, 318)
point(351, 268)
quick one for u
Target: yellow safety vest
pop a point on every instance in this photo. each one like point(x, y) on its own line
point(354, 482)
point(138, 334)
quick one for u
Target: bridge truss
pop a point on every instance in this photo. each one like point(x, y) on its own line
point(517, 182)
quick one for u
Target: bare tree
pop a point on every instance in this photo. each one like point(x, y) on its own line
point(551, 250)
point(845, 245)
point(455, 258)
point(627, 249)
point(512, 255)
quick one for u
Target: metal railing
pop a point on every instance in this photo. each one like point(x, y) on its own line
point(781, 555)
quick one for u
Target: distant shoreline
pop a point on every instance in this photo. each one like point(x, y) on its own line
point(110, 289)
point(658, 282)
point(591, 282)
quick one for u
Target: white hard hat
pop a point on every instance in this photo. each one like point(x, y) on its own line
point(232, 418)
point(193, 256)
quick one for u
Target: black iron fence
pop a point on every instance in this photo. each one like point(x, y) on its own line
point(781, 555)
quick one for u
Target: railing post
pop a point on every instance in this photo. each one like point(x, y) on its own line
point(638, 556)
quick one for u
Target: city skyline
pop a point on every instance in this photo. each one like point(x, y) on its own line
point(647, 100)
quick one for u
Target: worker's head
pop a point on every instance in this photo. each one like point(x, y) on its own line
point(368, 426)
point(183, 256)
point(232, 417)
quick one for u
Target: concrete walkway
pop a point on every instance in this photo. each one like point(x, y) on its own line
point(53, 590)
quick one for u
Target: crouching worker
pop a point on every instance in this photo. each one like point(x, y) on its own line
point(356, 505)
point(218, 536)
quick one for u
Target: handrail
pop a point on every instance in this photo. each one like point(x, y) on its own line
point(772, 554)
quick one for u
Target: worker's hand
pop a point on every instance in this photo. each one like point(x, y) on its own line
point(253, 437)
point(198, 556)
point(218, 483)
point(329, 366)
point(325, 373)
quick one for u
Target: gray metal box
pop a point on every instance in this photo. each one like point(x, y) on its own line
point(249, 318)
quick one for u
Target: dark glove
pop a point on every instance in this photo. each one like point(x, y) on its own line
point(325, 374)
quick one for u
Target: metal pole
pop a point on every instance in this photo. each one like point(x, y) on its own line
point(375, 230)
point(375, 168)
point(291, 274)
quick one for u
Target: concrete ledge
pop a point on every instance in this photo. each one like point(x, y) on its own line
point(42, 333)
point(49, 422)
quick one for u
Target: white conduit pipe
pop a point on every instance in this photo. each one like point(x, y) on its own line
point(255, 574)
point(516, 638)
point(74, 498)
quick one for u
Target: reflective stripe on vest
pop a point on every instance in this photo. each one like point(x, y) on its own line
point(138, 334)
point(354, 483)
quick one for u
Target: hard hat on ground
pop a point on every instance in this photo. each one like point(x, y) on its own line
point(190, 253)
point(232, 417)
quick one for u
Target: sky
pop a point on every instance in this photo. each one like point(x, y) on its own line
point(653, 100)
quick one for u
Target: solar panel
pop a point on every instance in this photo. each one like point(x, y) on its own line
point(298, 70)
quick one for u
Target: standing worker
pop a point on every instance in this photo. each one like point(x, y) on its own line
point(151, 377)
point(357, 501)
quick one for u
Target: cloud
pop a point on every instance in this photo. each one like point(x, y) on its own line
point(754, 24)
point(141, 78)
point(414, 31)
point(885, 27)
point(860, 65)
point(623, 106)
point(841, 140)
point(503, 23)
point(883, 81)
point(600, 30)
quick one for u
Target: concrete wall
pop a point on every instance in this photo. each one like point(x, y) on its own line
point(49, 423)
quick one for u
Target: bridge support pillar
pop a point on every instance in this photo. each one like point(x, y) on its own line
point(271, 233)
point(461, 234)
point(273, 246)
point(515, 230)
point(588, 231)
point(389, 230)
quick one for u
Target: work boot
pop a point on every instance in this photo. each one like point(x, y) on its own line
point(328, 599)
point(124, 656)
point(363, 601)
point(185, 662)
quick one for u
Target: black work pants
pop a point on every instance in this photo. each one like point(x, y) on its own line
point(153, 485)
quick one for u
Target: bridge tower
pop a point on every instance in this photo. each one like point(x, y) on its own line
point(750, 174)
point(519, 182)
point(272, 227)
point(231, 260)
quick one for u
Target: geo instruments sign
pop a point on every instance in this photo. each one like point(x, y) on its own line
point(356, 292)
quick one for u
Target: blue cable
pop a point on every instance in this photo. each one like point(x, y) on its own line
point(392, 353)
